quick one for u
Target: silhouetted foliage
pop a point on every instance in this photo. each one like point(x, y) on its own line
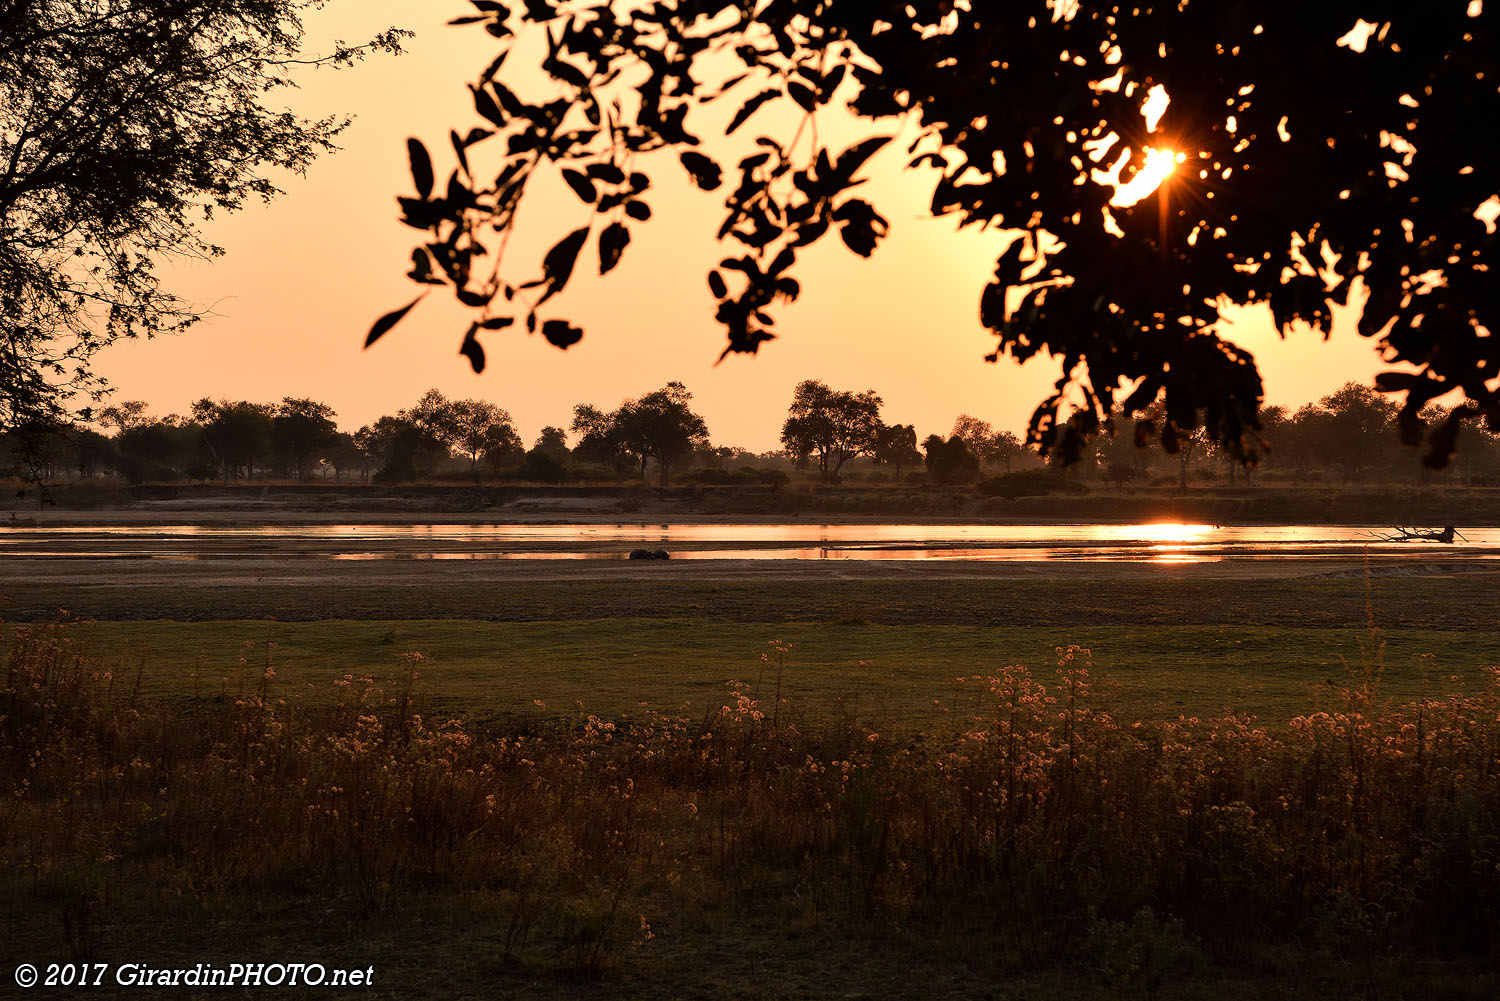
point(1324, 157)
point(300, 428)
point(238, 435)
point(1030, 483)
point(835, 425)
point(483, 430)
point(553, 441)
point(541, 467)
point(896, 445)
point(658, 426)
point(122, 127)
point(949, 462)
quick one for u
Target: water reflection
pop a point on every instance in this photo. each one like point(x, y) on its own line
point(1164, 543)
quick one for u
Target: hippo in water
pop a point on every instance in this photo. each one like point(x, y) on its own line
point(647, 554)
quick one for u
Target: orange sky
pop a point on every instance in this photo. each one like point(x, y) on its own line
point(306, 276)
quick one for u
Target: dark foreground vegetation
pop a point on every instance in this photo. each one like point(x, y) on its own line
point(1038, 847)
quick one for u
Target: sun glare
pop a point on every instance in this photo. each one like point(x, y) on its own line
point(1158, 167)
point(1172, 532)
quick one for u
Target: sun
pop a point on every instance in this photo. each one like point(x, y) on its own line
point(1159, 165)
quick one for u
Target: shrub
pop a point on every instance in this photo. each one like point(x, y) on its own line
point(541, 467)
point(1030, 483)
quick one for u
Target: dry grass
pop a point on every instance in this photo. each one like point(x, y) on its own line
point(1363, 828)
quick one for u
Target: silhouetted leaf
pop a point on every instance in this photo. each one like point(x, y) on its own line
point(557, 266)
point(473, 350)
point(750, 107)
point(421, 167)
point(566, 72)
point(498, 322)
point(389, 320)
point(612, 243)
point(581, 185)
point(487, 108)
point(855, 156)
point(804, 95)
point(863, 226)
point(606, 172)
point(458, 149)
point(638, 210)
point(421, 269)
point(717, 285)
point(705, 172)
point(561, 334)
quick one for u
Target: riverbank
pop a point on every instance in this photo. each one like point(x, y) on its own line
point(291, 504)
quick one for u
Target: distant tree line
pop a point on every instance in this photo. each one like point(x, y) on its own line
point(831, 434)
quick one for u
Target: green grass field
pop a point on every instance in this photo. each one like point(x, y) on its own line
point(888, 675)
point(148, 793)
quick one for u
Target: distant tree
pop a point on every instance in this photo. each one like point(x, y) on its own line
point(436, 422)
point(300, 429)
point(238, 434)
point(393, 445)
point(896, 445)
point(153, 451)
point(1306, 441)
point(599, 438)
point(834, 425)
point(345, 455)
point(124, 415)
point(977, 435)
point(123, 126)
point(92, 452)
point(1358, 417)
point(1117, 453)
point(1006, 447)
point(949, 462)
point(716, 456)
point(1275, 425)
point(660, 426)
point(541, 467)
point(552, 441)
point(479, 428)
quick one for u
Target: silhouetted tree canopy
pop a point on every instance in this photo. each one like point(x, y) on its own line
point(659, 425)
point(896, 445)
point(949, 462)
point(123, 126)
point(835, 425)
point(1329, 153)
point(300, 428)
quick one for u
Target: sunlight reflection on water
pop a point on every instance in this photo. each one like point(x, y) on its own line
point(1164, 543)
